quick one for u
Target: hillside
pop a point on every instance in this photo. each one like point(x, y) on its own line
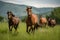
point(20, 10)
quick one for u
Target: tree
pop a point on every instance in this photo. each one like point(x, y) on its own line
point(1, 18)
point(56, 14)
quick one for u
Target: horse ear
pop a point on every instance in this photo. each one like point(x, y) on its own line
point(8, 12)
point(31, 7)
point(26, 8)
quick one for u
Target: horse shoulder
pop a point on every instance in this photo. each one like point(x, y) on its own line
point(15, 19)
point(34, 18)
point(53, 21)
point(43, 19)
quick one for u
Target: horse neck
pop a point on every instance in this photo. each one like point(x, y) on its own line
point(29, 17)
point(11, 18)
point(30, 13)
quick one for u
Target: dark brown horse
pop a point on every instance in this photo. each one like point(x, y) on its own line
point(12, 21)
point(31, 20)
point(43, 21)
point(51, 22)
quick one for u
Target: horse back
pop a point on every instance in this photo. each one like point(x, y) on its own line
point(15, 20)
point(43, 20)
point(53, 21)
point(34, 18)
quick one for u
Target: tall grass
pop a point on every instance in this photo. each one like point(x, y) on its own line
point(40, 34)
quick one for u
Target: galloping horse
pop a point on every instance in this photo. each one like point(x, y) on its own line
point(31, 21)
point(12, 21)
point(51, 22)
point(43, 21)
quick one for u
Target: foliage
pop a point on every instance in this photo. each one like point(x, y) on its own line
point(1, 18)
point(23, 19)
point(56, 14)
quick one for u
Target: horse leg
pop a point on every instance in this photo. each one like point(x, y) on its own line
point(34, 28)
point(10, 27)
point(31, 29)
point(45, 24)
point(54, 25)
point(37, 25)
point(16, 26)
point(41, 25)
point(27, 28)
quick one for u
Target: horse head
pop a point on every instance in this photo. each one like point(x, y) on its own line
point(29, 11)
point(10, 14)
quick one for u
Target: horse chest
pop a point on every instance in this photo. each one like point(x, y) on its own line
point(32, 20)
point(43, 20)
point(15, 20)
point(29, 21)
point(10, 22)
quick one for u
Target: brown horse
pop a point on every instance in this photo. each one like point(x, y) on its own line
point(51, 22)
point(43, 21)
point(12, 21)
point(31, 21)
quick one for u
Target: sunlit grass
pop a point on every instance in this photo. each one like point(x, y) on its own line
point(40, 34)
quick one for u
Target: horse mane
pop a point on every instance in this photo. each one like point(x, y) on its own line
point(11, 13)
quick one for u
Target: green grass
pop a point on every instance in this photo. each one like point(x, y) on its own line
point(40, 34)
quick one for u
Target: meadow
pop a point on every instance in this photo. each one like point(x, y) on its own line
point(40, 34)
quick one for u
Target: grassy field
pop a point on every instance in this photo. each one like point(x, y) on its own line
point(40, 34)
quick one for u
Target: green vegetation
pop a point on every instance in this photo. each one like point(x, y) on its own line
point(23, 19)
point(1, 18)
point(40, 34)
point(56, 14)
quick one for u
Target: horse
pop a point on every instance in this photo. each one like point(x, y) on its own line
point(51, 22)
point(31, 21)
point(43, 21)
point(13, 21)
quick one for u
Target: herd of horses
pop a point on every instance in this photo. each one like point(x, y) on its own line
point(31, 21)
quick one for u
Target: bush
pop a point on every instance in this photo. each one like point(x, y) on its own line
point(1, 18)
point(23, 19)
point(56, 14)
